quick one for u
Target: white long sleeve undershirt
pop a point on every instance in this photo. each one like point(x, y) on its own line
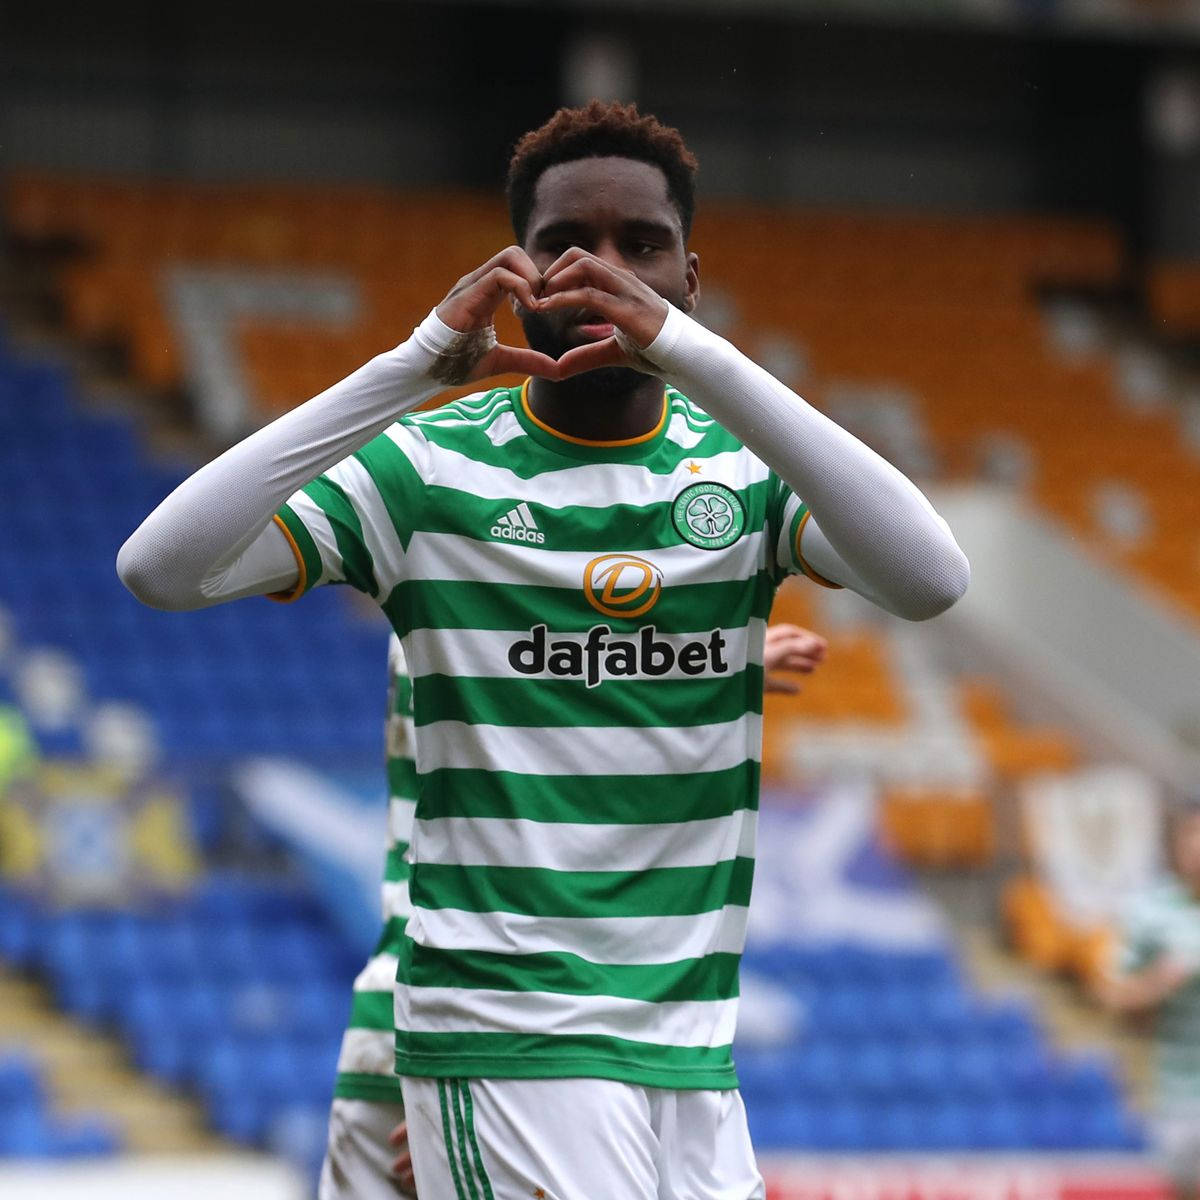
point(871, 528)
point(212, 539)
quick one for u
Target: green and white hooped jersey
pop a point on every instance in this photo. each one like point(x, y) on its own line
point(366, 1064)
point(584, 626)
point(1164, 920)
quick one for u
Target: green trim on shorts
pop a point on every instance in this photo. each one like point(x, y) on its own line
point(458, 1188)
point(483, 1179)
point(460, 1127)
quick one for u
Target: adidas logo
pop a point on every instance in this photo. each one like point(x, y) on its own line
point(518, 525)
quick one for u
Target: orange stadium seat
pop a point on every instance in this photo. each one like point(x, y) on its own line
point(944, 308)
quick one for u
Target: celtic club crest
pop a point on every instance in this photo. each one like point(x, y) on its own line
point(709, 515)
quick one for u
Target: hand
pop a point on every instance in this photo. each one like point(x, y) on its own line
point(1170, 974)
point(577, 279)
point(1145, 990)
point(790, 648)
point(402, 1167)
point(470, 308)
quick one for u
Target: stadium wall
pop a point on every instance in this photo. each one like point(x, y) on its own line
point(1116, 658)
point(425, 94)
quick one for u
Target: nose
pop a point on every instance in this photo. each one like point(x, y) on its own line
point(609, 251)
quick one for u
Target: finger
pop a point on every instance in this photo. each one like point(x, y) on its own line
point(500, 281)
point(566, 259)
point(582, 272)
point(590, 357)
point(399, 1135)
point(514, 259)
point(782, 630)
point(798, 647)
point(588, 298)
point(504, 360)
point(403, 1174)
point(773, 683)
point(797, 665)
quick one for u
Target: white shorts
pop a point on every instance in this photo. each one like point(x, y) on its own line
point(358, 1159)
point(569, 1139)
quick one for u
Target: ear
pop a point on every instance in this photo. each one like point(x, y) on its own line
point(691, 296)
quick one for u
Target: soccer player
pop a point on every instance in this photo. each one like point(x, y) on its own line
point(580, 569)
point(367, 1115)
point(1157, 975)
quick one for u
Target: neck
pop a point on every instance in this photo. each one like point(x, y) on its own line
point(579, 408)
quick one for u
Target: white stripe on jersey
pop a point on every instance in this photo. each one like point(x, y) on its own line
point(590, 750)
point(483, 653)
point(480, 1010)
point(559, 846)
point(611, 940)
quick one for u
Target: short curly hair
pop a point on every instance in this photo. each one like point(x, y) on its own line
point(598, 130)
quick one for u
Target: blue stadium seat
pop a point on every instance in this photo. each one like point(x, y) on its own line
point(767, 1075)
point(20, 1081)
point(83, 1137)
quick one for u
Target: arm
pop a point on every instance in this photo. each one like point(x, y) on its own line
point(794, 650)
point(212, 539)
point(871, 528)
point(1144, 990)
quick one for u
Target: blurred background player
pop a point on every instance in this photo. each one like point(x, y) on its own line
point(1157, 976)
point(368, 1152)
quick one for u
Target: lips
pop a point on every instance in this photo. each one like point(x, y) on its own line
point(593, 328)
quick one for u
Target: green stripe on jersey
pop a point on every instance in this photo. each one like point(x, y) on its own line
point(448, 509)
point(538, 892)
point(553, 702)
point(395, 868)
point(456, 604)
point(563, 1056)
point(371, 1010)
point(582, 799)
point(713, 977)
point(359, 1085)
point(402, 778)
point(347, 530)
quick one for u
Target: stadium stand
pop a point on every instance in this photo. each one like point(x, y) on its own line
point(30, 1126)
point(898, 1051)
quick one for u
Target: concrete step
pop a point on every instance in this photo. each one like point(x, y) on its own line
point(89, 1071)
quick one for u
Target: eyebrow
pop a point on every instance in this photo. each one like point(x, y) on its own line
point(635, 226)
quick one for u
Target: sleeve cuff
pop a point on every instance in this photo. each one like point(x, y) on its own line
point(308, 559)
point(801, 520)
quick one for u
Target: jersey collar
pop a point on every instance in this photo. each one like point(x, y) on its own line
point(622, 450)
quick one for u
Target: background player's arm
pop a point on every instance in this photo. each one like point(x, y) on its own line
point(212, 539)
point(1144, 990)
point(871, 528)
point(791, 649)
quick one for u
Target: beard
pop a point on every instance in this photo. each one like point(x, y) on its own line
point(600, 384)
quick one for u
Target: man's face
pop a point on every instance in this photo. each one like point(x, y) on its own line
point(619, 210)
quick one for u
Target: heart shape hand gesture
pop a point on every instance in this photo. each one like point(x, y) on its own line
point(576, 279)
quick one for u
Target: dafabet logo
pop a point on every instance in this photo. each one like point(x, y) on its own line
point(618, 585)
point(622, 585)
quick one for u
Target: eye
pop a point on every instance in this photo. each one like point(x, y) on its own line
point(642, 249)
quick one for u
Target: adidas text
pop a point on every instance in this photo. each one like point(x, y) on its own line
point(515, 533)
